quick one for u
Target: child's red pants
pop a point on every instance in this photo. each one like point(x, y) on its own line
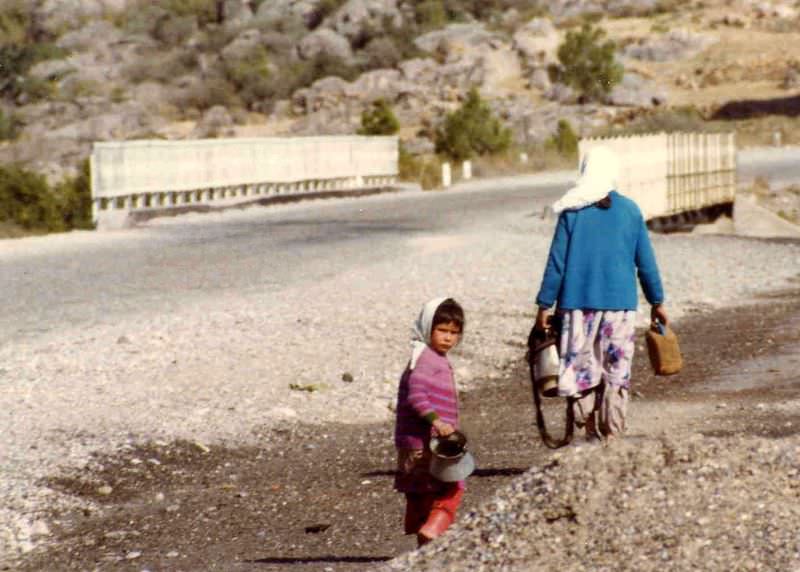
point(429, 514)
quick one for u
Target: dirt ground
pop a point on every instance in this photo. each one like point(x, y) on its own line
point(320, 498)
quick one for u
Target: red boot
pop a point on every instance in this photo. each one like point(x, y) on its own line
point(442, 515)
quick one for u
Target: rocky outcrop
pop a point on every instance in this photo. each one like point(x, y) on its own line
point(674, 45)
point(473, 56)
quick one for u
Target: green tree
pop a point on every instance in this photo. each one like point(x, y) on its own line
point(588, 63)
point(379, 120)
point(472, 130)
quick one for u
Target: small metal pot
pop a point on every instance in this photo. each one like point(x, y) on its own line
point(450, 460)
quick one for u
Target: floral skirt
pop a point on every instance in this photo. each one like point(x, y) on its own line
point(595, 346)
point(596, 349)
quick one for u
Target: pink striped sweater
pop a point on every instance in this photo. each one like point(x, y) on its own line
point(427, 392)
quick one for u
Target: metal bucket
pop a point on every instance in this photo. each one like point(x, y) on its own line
point(545, 369)
point(450, 460)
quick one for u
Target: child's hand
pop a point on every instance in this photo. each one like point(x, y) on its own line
point(442, 429)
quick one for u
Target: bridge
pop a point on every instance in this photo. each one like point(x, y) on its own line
point(131, 178)
point(677, 179)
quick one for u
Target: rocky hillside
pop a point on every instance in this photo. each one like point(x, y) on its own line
point(77, 71)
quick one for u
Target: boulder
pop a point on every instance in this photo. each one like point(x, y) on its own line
point(473, 56)
point(456, 40)
point(561, 93)
point(301, 12)
point(540, 79)
point(636, 91)
point(96, 35)
point(323, 93)
point(242, 45)
point(216, 122)
point(325, 41)
point(237, 12)
point(420, 70)
point(59, 15)
point(358, 18)
point(572, 10)
point(791, 80)
point(381, 84)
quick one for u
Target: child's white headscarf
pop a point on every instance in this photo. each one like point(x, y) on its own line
point(421, 332)
point(598, 176)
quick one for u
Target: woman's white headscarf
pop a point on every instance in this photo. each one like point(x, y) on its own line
point(598, 176)
point(421, 332)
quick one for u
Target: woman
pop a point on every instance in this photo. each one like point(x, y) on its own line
point(600, 247)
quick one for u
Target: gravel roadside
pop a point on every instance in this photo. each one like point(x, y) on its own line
point(705, 479)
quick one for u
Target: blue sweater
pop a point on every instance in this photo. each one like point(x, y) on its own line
point(595, 257)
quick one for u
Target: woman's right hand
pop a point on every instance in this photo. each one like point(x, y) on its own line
point(658, 314)
point(542, 319)
point(442, 428)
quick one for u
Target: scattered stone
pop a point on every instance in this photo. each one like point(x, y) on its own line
point(347, 377)
point(202, 447)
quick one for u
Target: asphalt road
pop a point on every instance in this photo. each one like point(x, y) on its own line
point(168, 265)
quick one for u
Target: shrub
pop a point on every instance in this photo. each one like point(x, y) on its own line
point(212, 91)
point(159, 66)
point(22, 46)
point(587, 63)
point(74, 200)
point(9, 126)
point(28, 202)
point(472, 129)
point(23, 43)
point(427, 171)
point(379, 120)
point(323, 65)
point(204, 11)
point(251, 76)
point(565, 140)
point(381, 53)
point(430, 14)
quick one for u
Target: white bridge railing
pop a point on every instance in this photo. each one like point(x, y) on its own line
point(133, 176)
point(669, 174)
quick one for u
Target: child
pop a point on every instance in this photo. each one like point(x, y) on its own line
point(427, 405)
